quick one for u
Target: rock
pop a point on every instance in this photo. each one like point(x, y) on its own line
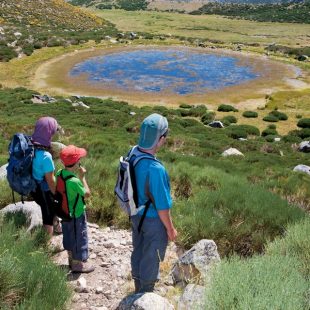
point(304, 146)
point(277, 139)
point(216, 124)
point(302, 58)
point(302, 168)
point(81, 285)
point(99, 290)
point(192, 298)
point(30, 209)
point(132, 113)
point(147, 301)
point(80, 104)
point(232, 152)
point(196, 262)
point(17, 35)
point(3, 172)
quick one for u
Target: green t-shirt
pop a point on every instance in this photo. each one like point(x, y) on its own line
point(74, 186)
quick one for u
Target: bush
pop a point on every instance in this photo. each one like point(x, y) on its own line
point(28, 279)
point(270, 118)
point(298, 116)
point(250, 130)
point(227, 108)
point(208, 117)
point(250, 114)
point(235, 132)
point(185, 106)
point(229, 119)
point(270, 138)
point(304, 123)
point(279, 115)
point(272, 126)
point(269, 131)
point(304, 133)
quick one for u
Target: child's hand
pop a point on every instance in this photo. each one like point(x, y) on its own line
point(82, 171)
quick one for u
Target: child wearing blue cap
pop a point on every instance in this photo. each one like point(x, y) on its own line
point(152, 182)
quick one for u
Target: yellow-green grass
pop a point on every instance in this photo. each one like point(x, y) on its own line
point(210, 27)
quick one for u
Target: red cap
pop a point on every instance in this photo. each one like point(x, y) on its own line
point(71, 154)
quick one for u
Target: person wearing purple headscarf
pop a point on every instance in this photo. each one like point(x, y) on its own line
point(43, 169)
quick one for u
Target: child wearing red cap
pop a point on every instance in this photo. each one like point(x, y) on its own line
point(75, 239)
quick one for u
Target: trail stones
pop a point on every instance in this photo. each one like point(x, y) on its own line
point(192, 298)
point(304, 147)
point(232, 152)
point(147, 301)
point(196, 262)
point(302, 168)
point(30, 209)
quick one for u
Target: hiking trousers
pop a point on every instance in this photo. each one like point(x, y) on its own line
point(75, 237)
point(149, 248)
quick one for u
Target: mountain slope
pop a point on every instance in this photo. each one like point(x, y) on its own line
point(50, 13)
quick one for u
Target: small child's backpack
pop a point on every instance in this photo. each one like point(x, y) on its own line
point(126, 187)
point(19, 169)
point(61, 205)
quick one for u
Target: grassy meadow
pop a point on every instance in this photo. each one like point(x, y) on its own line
point(210, 28)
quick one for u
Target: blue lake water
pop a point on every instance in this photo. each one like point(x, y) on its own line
point(179, 71)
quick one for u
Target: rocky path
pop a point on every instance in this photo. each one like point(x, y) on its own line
point(109, 251)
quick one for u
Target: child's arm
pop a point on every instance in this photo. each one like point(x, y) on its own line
point(82, 172)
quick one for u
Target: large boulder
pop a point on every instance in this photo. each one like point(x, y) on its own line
point(232, 152)
point(302, 168)
point(304, 146)
point(146, 301)
point(192, 298)
point(29, 208)
point(3, 172)
point(196, 263)
point(216, 124)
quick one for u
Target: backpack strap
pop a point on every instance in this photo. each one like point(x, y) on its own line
point(132, 165)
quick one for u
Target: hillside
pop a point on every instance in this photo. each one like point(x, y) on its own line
point(293, 12)
point(28, 25)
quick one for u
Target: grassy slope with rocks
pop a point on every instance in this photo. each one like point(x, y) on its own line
point(29, 25)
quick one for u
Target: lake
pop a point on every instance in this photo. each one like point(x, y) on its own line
point(181, 71)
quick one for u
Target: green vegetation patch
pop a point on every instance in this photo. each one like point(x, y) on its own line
point(29, 280)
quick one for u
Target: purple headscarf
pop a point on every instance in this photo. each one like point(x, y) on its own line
point(44, 130)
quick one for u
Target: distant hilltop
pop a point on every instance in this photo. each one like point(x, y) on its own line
point(46, 13)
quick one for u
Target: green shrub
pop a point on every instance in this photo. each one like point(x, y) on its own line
point(227, 108)
point(279, 115)
point(298, 116)
point(272, 126)
point(292, 139)
point(270, 118)
point(250, 114)
point(270, 138)
point(229, 119)
point(250, 130)
point(304, 123)
point(236, 132)
point(262, 282)
point(185, 106)
point(29, 280)
point(208, 117)
point(269, 131)
point(304, 133)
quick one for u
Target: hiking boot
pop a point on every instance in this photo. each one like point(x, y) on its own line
point(81, 267)
point(69, 258)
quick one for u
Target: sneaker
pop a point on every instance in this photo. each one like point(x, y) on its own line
point(81, 267)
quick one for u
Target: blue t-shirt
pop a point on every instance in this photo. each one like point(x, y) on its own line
point(42, 163)
point(153, 172)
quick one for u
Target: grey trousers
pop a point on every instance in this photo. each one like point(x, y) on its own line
point(149, 248)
